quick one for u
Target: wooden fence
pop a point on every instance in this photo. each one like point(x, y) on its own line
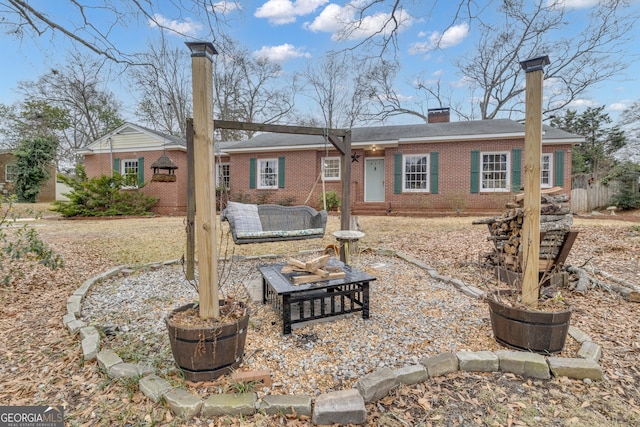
point(588, 194)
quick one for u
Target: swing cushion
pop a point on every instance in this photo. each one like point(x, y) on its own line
point(277, 223)
point(246, 218)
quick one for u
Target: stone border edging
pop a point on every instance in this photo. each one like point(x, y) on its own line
point(342, 406)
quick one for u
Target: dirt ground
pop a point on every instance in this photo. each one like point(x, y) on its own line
point(41, 364)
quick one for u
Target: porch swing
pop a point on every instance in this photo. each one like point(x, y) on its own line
point(252, 223)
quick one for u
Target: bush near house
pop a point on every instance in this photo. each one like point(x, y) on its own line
point(102, 196)
point(333, 201)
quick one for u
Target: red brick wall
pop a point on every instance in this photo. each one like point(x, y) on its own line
point(303, 167)
point(173, 195)
point(454, 176)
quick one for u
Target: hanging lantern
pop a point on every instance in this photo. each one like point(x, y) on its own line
point(163, 170)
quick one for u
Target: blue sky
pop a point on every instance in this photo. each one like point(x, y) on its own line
point(294, 32)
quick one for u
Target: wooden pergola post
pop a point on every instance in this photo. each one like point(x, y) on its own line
point(204, 166)
point(191, 205)
point(532, 156)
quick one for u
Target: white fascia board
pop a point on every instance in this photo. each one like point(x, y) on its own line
point(366, 144)
point(107, 150)
point(462, 137)
point(572, 141)
point(317, 147)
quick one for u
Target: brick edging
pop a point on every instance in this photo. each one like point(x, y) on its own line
point(343, 406)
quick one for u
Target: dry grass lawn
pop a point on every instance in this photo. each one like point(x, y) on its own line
point(41, 364)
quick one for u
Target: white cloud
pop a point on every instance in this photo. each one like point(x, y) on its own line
point(342, 22)
point(280, 12)
point(404, 98)
point(572, 4)
point(619, 106)
point(465, 81)
point(225, 6)
point(282, 53)
point(187, 27)
point(451, 37)
point(582, 103)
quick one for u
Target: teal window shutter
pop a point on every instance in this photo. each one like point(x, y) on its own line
point(281, 172)
point(140, 171)
point(516, 170)
point(397, 173)
point(252, 172)
point(558, 166)
point(116, 165)
point(475, 171)
point(433, 178)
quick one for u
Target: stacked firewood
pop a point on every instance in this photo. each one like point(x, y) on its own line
point(506, 230)
point(316, 270)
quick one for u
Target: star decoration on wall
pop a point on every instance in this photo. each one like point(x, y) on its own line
point(355, 157)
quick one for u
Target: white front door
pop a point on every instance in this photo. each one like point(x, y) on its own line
point(374, 180)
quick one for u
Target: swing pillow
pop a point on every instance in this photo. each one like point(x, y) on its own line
point(245, 216)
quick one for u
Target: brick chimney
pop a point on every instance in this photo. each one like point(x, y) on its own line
point(438, 115)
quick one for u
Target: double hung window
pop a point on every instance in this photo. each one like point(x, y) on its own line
point(268, 173)
point(416, 173)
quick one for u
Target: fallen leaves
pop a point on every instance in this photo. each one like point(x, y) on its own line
point(41, 364)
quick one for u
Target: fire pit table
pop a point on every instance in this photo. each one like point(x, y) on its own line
point(315, 300)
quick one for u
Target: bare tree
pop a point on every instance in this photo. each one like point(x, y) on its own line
point(372, 25)
point(164, 85)
point(390, 103)
point(91, 24)
point(250, 89)
point(339, 88)
point(79, 90)
point(630, 121)
point(591, 54)
point(375, 25)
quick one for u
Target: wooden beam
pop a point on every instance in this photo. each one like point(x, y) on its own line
point(204, 165)
point(191, 205)
point(265, 127)
point(338, 144)
point(345, 215)
point(331, 134)
point(532, 156)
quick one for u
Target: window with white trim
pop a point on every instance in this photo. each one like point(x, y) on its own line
point(331, 168)
point(416, 173)
point(546, 169)
point(268, 173)
point(223, 176)
point(130, 172)
point(494, 172)
point(10, 172)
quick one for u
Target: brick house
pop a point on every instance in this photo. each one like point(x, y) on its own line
point(436, 168)
point(130, 150)
point(8, 172)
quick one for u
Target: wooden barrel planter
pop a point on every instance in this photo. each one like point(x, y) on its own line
point(540, 332)
point(204, 354)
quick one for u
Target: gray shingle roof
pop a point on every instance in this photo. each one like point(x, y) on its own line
point(393, 134)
